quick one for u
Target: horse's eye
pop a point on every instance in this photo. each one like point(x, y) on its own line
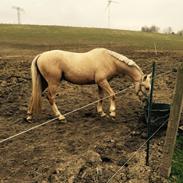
point(145, 77)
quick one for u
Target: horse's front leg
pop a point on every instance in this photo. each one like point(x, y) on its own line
point(100, 102)
point(105, 85)
point(112, 108)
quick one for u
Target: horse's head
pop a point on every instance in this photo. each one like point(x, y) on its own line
point(143, 87)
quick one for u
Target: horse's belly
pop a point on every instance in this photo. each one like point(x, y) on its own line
point(79, 78)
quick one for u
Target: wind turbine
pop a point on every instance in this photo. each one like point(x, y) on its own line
point(109, 2)
point(19, 10)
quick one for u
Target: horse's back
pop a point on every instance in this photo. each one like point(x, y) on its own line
point(66, 58)
point(97, 52)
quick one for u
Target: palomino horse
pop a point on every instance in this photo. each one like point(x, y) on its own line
point(94, 67)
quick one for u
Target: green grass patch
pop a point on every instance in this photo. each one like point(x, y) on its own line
point(177, 166)
point(71, 37)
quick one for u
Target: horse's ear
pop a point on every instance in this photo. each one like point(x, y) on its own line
point(150, 75)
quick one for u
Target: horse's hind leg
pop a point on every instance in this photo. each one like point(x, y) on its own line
point(105, 85)
point(52, 88)
point(44, 85)
point(99, 105)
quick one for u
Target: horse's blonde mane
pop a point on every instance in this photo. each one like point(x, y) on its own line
point(124, 59)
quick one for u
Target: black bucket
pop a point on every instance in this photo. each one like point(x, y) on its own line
point(159, 114)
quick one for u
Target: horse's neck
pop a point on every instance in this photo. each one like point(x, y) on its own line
point(132, 71)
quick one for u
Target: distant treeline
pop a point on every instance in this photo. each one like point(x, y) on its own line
point(156, 29)
point(152, 28)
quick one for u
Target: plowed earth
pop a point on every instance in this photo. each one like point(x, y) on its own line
point(87, 148)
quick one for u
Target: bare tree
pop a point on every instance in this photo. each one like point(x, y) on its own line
point(153, 28)
point(145, 29)
point(180, 33)
point(168, 30)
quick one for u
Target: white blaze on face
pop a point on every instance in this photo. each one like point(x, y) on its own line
point(143, 89)
point(146, 84)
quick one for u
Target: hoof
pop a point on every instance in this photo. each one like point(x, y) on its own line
point(28, 119)
point(113, 114)
point(113, 118)
point(62, 119)
point(103, 114)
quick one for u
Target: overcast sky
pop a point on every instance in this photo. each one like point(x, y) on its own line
point(127, 14)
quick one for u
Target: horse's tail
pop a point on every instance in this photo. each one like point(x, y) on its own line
point(36, 86)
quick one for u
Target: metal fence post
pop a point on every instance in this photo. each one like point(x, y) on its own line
point(149, 113)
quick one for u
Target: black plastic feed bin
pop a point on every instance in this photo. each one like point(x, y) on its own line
point(159, 114)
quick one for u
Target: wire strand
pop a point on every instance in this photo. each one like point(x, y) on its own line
point(66, 114)
point(131, 157)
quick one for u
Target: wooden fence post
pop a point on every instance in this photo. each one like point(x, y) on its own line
point(173, 124)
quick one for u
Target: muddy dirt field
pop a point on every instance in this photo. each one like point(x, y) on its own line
point(88, 148)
